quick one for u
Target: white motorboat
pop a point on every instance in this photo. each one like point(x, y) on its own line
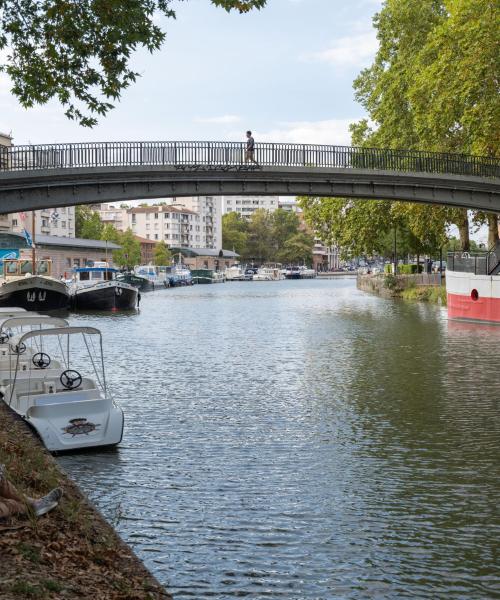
point(68, 409)
point(235, 273)
point(306, 273)
point(269, 273)
point(156, 276)
point(33, 362)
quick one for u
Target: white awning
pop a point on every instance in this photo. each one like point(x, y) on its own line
point(33, 320)
point(17, 340)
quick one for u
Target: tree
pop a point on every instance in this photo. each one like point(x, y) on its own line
point(130, 252)
point(260, 241)
point(296, 249)
point(235, 233)
point(284, 225)
point(91, 226)
point(403, 85)
point(79, 52)
point(162, 254)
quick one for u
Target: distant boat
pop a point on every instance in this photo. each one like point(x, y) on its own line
point(207, 276)
point(269, 273)
point(306, 273)
point(157, 276)
point(292, 273)
point(235, 273)
point(141, 283)
point(179, 274)
point(38, 292)
point(96, 288)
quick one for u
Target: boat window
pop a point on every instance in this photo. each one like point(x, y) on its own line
point(84, 276)
point(25, 267)
point(43, 267)
point(10, 267)
point(96, 275)
point(108, 275)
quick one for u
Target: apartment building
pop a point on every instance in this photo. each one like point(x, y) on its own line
point(58, 222)
point(209, 209)
point(247, 205)
point(175, 225)
point(113, 215)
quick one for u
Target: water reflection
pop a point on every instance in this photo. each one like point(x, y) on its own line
point(302, 440)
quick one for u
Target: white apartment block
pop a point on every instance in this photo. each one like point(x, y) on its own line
point(58, 222)
point(175, 225)
point(114, 215)
point(209, 209)
point(246, 205)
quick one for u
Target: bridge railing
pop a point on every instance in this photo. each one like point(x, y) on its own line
point(232, 154)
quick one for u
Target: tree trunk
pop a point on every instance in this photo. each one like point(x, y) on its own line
point(492, 230)
point(463, 230)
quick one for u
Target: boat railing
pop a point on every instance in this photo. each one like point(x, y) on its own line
point(478, 263)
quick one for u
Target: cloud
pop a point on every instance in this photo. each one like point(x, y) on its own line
point(332, 131)
point(222, 120)
point(349, 51)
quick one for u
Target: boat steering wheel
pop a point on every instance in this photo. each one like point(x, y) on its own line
point(4, 337)
point(41, 360)
point(21, 349)
point(70, 379)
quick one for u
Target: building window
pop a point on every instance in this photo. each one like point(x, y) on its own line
point(156, 236)
point(167, 215)
point(167, 236)
point(133, 218)
point(147, 236)
point(156, 215)
point(76, 262)
point(69, 262)
point(63, 224)
point(45, 222)
point(147, 225)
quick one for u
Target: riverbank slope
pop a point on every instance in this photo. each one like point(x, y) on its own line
point(423, 288)
point(72, 552)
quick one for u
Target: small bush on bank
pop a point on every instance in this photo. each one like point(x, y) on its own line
point(426, 293)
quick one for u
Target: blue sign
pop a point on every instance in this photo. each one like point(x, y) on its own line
point(8, 253)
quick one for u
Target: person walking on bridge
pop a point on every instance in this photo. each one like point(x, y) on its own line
point(250, 149)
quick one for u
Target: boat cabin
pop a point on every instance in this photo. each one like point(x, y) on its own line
point(95, 274)
point(20, 267)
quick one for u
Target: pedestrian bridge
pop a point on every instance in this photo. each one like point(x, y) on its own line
point(43, 176)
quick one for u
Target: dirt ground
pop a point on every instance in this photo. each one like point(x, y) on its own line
point(69, 553)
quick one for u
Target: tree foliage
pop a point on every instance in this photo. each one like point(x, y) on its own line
point(129, 254)
point(78, 52)
point(267, 236)
point(162, 254)
point(88, 224)
point(433, 85)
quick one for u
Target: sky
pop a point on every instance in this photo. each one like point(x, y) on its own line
point(284, 72)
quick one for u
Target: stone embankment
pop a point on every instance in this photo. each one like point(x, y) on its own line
point(71, 552)
point(423, 287)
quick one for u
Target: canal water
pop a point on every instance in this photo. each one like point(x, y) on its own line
point(302, 440)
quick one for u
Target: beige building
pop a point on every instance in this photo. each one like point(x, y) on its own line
point(114, 215)
point(58, 222)
point(247, 205)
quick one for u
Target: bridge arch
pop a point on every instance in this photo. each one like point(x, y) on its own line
point(34, 177)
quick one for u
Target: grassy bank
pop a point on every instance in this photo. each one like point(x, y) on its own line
point(425, 293)
point(70, 552)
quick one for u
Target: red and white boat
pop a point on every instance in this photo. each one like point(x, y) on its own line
point(473, 287)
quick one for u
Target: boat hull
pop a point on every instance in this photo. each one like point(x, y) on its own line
point(141, 283)
point(473, 297)
point(38, 294)
point(112, 296)
point(78, 425)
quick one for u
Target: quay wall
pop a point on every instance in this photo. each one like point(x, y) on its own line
point(71, 552)
point(393, 287)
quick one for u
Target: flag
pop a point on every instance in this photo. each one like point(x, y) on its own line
point(27, 236)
